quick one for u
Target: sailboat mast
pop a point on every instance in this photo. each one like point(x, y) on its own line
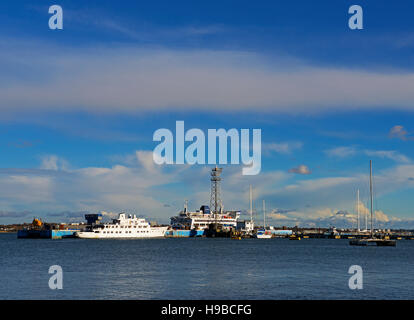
point(251, 205)
point(370, 190)
point(264, 214)
point(359, 228)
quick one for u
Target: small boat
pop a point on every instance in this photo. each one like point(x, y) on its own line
point(263, 233)
point(294, 237)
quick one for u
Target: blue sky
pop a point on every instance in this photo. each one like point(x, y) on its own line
point(80, 105)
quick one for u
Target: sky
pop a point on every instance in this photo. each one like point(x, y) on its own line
point(79, 107)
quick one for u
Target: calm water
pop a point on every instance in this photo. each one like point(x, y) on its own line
point(203, 269)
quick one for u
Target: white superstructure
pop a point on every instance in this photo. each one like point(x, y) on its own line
point(201, 219)
point(126, 226)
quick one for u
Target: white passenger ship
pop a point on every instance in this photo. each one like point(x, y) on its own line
point(124, 227)
point(201, 219)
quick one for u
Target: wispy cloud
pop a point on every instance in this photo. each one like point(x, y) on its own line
point(282, 147)
point(392, 155)
point(129, 79)
point(343, 152)
point(139, 30)
point(53, 162)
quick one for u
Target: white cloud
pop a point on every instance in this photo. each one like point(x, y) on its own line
point(277, 216)
point(378, 215)
point(20, 188)
point(399, 132)
point(144, 188)
point(129, 79)
point(326, 217)
point(301, 169)
point(53, 162)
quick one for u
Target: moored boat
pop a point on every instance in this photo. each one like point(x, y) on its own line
point(372, 241)
point(125, 227)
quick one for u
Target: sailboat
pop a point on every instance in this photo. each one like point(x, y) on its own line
point(263, 233)
point(372, 240)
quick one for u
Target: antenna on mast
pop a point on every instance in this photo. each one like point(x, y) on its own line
point(215, 198)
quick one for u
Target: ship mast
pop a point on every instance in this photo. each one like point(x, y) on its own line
point(215, 197)
point(264, 214)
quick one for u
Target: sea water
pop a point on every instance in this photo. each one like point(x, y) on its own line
point(200, 268)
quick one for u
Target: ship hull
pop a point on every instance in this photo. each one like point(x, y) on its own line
point(45, 234)
point(158, 232)
point(184, 233)
point(263, 236)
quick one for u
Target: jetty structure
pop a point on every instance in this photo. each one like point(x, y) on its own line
point(41, 230)
point(373, 240)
